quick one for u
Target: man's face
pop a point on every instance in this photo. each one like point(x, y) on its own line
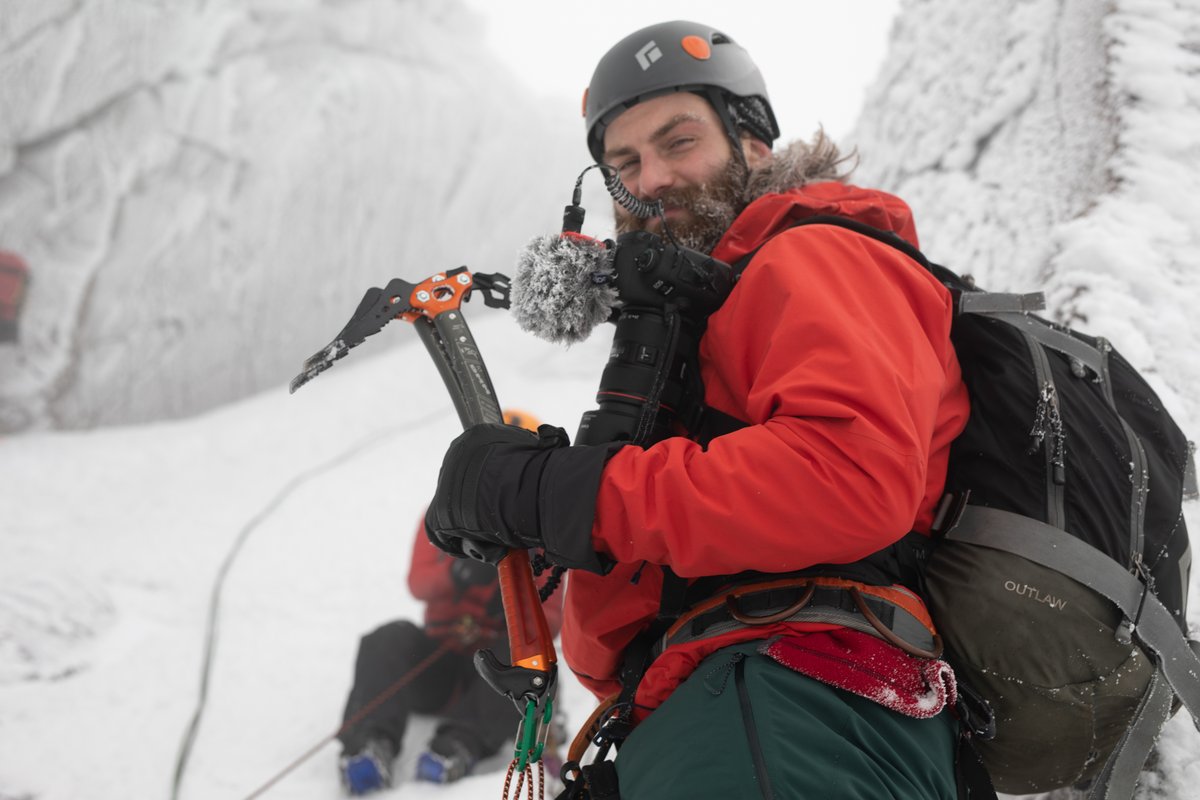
point(673, 148)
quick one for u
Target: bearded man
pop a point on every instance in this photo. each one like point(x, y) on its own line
point(796, 660)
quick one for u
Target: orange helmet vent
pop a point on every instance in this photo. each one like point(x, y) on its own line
point(696, 47)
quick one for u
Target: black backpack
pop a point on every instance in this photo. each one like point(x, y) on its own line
point(1060, 574)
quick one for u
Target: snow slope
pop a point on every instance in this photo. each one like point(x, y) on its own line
point(114, 540)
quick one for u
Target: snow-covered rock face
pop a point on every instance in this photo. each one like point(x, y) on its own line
point(1042, 146)
point(994, 123)
point(203, 190)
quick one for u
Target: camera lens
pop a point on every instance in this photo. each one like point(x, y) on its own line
point(640, 344)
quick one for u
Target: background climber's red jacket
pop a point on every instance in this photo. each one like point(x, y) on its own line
point(448, 608)
point(836, 349)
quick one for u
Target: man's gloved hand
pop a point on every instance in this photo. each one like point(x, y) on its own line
point(502, 487)
point(467, 572)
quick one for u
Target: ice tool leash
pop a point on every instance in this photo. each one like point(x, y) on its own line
point(434, 307)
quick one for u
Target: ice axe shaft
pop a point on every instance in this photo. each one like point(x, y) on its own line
point(454, 351)
point(434, 307)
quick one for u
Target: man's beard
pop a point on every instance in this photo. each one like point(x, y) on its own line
point(713, 207)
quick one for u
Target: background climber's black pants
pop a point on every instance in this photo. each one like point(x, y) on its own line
point(472, 711)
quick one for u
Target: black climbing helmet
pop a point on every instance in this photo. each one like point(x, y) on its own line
point(679, 56)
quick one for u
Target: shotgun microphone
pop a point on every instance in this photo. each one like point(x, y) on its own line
point(564, 287)
point(658, 293)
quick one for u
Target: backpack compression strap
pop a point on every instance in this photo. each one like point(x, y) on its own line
point(1177, 659)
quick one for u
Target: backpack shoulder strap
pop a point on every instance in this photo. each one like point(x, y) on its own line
point(707, 423)
point(968, 298)
point(870, 231)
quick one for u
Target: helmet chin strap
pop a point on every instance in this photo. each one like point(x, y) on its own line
point(716, 99)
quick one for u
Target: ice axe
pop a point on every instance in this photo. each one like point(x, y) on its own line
point(434, 307)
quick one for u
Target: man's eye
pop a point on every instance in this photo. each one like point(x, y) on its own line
point(625, 166)
point(681, 142)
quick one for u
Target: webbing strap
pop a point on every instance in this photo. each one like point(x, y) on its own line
point(1118, 779)
point(1055, 339)
point(992, 302)
point(1058, 550)
point(889, 238)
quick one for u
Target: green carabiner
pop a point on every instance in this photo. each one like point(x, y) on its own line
point(531, 736)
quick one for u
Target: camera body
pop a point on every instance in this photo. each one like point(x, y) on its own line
point(666, 294)
point(652, 273)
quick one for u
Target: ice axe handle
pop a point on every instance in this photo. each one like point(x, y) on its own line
point(528, 631)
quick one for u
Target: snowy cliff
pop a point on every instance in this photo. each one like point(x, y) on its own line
point(1046, 144)
point(204, 189)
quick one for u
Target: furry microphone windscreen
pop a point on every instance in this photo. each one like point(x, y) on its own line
point(561, 288)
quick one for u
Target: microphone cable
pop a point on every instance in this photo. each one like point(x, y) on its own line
point(642, 209)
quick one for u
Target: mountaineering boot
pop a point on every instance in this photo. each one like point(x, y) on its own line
point(448, 759)
point(368, 770)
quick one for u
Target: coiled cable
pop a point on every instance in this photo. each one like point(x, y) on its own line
point(642, 209)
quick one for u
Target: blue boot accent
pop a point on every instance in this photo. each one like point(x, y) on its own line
point(368, 770)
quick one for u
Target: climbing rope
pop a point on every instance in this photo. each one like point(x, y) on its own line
point(524, 775)
point(358, 717)
point(211, 630)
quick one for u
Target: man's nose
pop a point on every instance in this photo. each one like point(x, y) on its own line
point(655, 176)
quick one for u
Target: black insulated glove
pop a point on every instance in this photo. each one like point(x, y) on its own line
point(502, 487)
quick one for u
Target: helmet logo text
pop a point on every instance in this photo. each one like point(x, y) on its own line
point(648, 55)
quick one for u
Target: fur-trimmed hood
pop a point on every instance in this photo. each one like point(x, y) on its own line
point(799, 164)
point(805, 180)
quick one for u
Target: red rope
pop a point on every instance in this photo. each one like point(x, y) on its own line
point(526, 774)
point(358, 717)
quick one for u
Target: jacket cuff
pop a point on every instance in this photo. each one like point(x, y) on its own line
point(567, 508)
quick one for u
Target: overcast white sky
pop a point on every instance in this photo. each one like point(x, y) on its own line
point(817, 56)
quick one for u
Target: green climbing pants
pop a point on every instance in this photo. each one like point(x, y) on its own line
point(745, 727)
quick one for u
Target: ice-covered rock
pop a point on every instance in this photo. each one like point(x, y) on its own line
point(204, 189)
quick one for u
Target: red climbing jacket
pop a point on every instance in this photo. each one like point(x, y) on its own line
point(835, 348)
